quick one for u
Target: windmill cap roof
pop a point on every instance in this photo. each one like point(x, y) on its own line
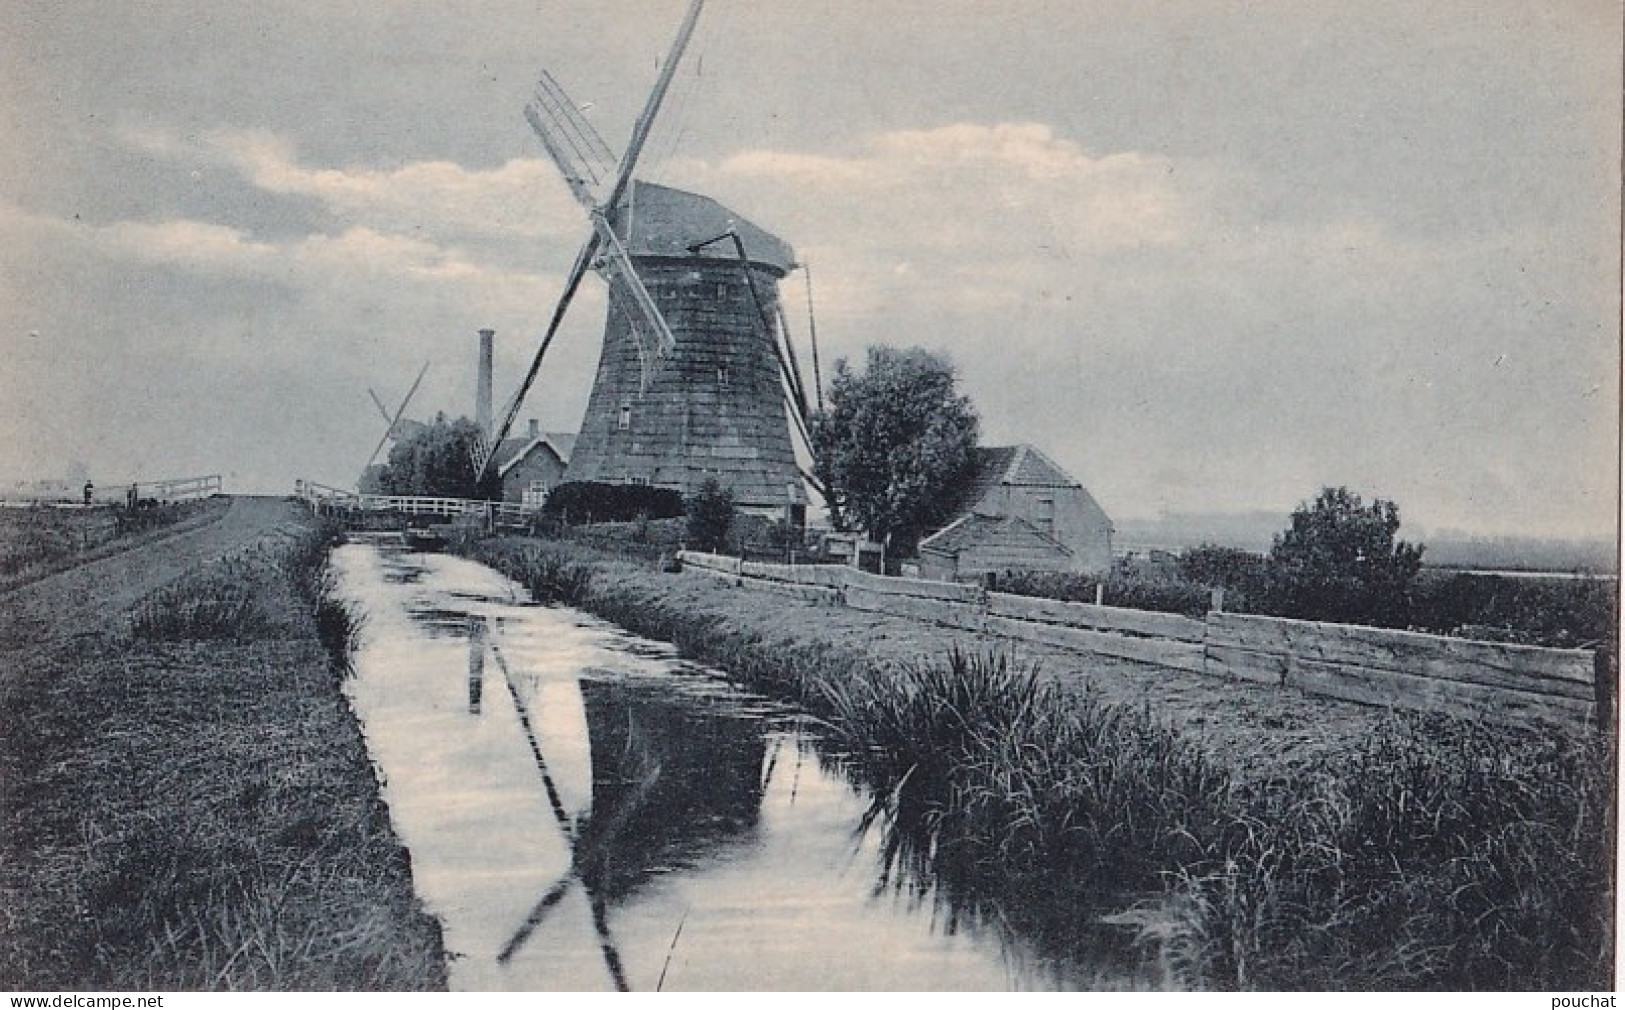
point(662, 221)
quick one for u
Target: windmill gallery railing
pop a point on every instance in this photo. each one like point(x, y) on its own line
point(340, 502)
point(1509, 684)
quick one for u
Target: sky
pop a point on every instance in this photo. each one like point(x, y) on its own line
point(1208, 256)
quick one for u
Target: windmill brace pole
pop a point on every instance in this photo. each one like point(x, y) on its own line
point(792, 368)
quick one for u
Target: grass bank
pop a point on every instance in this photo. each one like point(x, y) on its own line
point(39, 540)
point(1434, 855)
point(188, 802)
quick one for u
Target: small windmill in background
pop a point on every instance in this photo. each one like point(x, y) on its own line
point(395, 425)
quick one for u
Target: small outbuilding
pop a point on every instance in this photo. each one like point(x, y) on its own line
point(533, 464)
point(1019, 510)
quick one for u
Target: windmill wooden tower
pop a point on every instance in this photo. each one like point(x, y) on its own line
point(697, 378)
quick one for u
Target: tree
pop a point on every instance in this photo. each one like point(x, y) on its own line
point(710, 516)
point(438, 461)
point(893, 444)
point(1340, 561)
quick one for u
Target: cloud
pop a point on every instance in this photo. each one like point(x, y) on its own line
point(315, 261)
point(979, 219)
point(193, 244)
point(941, 188)
point(521, 199)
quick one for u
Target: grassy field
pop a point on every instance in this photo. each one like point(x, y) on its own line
point(36, 541)
point(187, 802)
point(1420, 853)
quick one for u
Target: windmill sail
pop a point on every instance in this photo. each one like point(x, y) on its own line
point(395, 420)
point(580, 154)
point(586, 155)
point(654, 337)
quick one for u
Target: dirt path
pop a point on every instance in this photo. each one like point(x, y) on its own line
point(94, 596)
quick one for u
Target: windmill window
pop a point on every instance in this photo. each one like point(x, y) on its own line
point(626, 416)
point(722, 292)
point(722, 378)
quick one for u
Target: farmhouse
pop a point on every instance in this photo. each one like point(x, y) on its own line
point(1019, 510)
point(533, 464)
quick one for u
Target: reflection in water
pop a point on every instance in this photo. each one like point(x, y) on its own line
point(602, 812)
point(582, 858)
point(476, 663)
point(670, 784)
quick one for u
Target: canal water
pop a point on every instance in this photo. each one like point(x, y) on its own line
point(586, 810)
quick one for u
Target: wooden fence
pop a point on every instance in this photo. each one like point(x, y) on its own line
point(1508, 684)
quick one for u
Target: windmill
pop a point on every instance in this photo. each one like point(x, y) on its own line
point(696, 378)
point(393, 426)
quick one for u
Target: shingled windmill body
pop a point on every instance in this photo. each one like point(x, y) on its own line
point(692, 380)
point(715, 406)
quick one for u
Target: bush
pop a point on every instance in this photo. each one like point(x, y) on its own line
point(1555, 613)
point(438, 461)
point(1340, 561)
point(1122, 589)
point(1243, 575)
point(710, 515)
point(591, 501)
point(1560, 613)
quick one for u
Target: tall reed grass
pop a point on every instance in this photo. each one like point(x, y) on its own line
point(279, 589)
point(548, 573)
point(1440, 855)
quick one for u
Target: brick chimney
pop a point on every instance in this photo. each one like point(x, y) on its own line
point(482, 385)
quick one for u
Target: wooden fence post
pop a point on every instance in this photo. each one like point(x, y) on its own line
point(1605, 674)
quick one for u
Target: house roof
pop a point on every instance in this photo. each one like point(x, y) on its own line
point(1016, 465)
point(991, 464)
point(974, 529)
point(511, 450)
point(1031, 468)
point(661, 221)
